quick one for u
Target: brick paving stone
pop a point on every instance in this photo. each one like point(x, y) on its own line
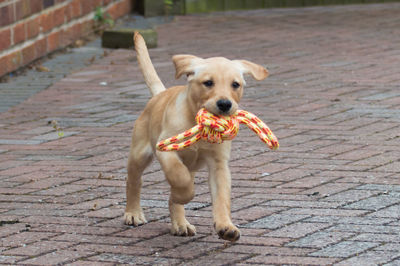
point(43, 212)
point(143, 233)
point(20, 142)
point(376, 202)
point(302, 203)
point(91, 204)
point(392, 212)
point(345, 249)
point(390, 247)
point(352, 195)
point(85, 261)
point(377, 237)
point(58, 257)
point(30, 177)
point(291, 260)
point(276, 196)
point(241, 204)
point(10, 259)
point(36, 219)
point(47, 183)
point(351, 220)
point(114, 258)
point(89, 230)
point(58, 191)
point(254, 212)
point(275, 221)
point(254, 240)
point(11, 228)
point(191, 250)
point(395, 223)
point(393, 262)
point(357, 154)
point(133, 250)
point(380, 187)
point(51, 157)
point(370, 258)
point(327, 189)
point(37, 248)
point(268, 250)
point(38, 205)
point(366, 228)
point(307, 212)
point(23, 237)
point(298, 229)
point(328, 195)
point(166, 241)
point(308, 182)
point(218, 259)
point(108, 212)
point(320, 239)
point(94, 239)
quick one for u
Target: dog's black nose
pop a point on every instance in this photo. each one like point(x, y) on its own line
point(224, 105)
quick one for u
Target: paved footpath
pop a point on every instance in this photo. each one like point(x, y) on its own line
point(330, 195)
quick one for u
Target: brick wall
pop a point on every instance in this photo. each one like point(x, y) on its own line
point(29, 29)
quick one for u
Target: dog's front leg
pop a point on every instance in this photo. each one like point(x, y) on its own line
point(182, 191)
point(220, 186)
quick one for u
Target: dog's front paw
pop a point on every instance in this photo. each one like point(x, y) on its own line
point(183, 228)
point(134, 218)
point(227, 232)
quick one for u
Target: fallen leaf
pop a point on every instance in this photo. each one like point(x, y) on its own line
point(42, 69)
point(78, 43)
point(91, 60)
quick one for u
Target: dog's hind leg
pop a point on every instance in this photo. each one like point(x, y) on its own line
point(182, 191)
point(139, 158)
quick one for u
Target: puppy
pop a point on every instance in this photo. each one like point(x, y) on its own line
point(213, 83)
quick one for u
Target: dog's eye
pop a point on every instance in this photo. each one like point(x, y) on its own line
point(208, 83)
point(235, 85)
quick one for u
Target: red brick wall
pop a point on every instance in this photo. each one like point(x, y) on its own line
point(30, 29)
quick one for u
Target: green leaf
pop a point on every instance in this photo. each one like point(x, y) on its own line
point(109, 22)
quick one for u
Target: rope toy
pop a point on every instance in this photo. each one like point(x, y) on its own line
point(216, 129)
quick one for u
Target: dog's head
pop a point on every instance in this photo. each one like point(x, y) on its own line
point(216, 83)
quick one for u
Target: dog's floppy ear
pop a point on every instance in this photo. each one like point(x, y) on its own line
point(256, 71)
point(185, 64)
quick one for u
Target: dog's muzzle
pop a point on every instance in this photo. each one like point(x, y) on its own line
point(224, 105)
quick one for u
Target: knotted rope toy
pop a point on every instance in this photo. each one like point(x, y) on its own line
point(216, 129)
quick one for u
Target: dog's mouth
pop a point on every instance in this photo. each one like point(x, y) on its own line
point(228, 113)
point(218, 112)
point(221, 107)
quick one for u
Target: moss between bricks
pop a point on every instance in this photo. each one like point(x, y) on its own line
point(179, 7)
point(204, 6)
point(123, 38)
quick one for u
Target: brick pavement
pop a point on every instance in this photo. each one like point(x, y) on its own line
point(18, 88)
point(331, 194)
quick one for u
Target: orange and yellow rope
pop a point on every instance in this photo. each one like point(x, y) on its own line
point(216, 129)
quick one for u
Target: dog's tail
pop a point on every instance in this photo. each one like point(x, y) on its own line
point(149, 73)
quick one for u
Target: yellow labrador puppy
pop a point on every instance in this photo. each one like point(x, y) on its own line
point(213, 83)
